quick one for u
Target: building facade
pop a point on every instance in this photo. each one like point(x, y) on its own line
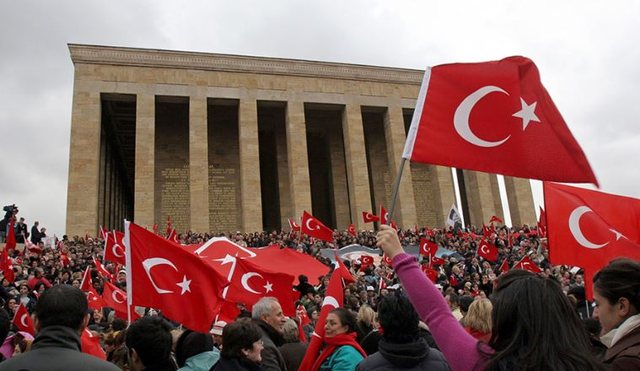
point(224, 143)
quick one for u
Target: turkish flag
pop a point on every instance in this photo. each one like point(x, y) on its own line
point(164, 276)
point(95, 301)
point(387, 260)
point(528, 265)
point(226, 311)
point(495, 219)
point(293, 225)
point(488, 251)
point(352, 230)
point(173, 236)
point(90, 344)
point(367, 217)
point(23, 321)
point(588, 228)
point(10, 241)
point(103, 232)
point(6, 266)
point(342, 269)
point(314, 228)
point(117, 299)
point(436, 261)
point(86, 283)
point(504, 267)
point(101, 269)
point(432, 274)
point(114, 248)
point(428, 248)
point(290, 261)
point(365, 261)
point(334, 298)
point(169, 227)
point(542, 224)
point(384, 218)
point(64, 259)
point(485, 116)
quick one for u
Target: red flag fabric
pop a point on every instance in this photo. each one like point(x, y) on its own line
point(387, 260)
point(23, 321)
point(226, 311)
point(431, 273)
point(365, 261)
point(487, 250)
point(527, 264)
point(6, 266)
point(164, 276)
point(293, 225)
point(314, 228)
point(103, 232)
point(95, 301)
point(102, 270)
point(495, 219)
point(436, 261)
point(428, 248)
point(114, 248)
point(173, 236)
point(384, 215)
point(86, 283)
point(343, 271)
point(64, 259)
point(90, 344)
point(484, 117)
point(169, 227)
point(486, 231)
point(291, 262)
point(352, 230)
point(542, 224)
point(10, 241)
point(334, 298)
point(367, 217)
point(588, 228)
point(504, 267)
point(115, 298)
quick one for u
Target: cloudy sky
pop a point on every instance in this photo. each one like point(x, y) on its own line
point(587, 53)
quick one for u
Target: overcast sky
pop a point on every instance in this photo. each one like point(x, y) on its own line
point(587, 53)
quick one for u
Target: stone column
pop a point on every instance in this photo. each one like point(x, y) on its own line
point(198, 163)
point(520, 199)
point(444, 194)
point(298, 160)
point(84, 163)
point(356, 159)
point(144, 183)
point(249, 165)
point(405, 212)
point(483, 196)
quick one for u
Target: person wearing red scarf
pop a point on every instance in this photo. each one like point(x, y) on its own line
point(342, 351)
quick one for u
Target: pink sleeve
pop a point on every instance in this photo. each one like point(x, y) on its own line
point(459, 348)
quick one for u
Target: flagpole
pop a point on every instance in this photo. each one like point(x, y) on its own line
point(396, 188)
point(127, 247)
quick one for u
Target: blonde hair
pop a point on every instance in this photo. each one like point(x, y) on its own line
point(366, 315)
point(479, 316)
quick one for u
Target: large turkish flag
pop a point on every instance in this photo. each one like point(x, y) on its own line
point(588, 228)
point(494, 117)
point(165, 276)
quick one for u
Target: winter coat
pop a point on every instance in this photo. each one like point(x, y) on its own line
point(293, 353)
point(272, 359)
point(201, 362)
point(235, 364)
point(410, 356)
point(625, 353)
point(56, 348)
point(345, 358)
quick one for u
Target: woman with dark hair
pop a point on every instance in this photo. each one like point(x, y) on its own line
point(195, 351)
point(534, 326)
point(342, 351)
point(241, 347)
point(616, 290)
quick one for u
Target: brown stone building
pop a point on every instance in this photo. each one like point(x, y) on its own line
point(226, 142)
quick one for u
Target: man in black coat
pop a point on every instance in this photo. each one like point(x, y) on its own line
point(267, 314)
point(60, 317)
point(401, 346)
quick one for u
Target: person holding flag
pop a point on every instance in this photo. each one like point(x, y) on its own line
point(342, 351)
point(534, 327)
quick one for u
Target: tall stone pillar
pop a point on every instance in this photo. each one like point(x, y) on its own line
point(84, 162)
point(405, 212)
point(250, 165)
point(356, 159)
point(144, 183)
point(198, 163)
point(483, 197)
point(520, 200)
point(298, 160)
point(443, 191)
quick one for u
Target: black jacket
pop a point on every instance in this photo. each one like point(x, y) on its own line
point(235, 364)
point(410, 356)
point(56, 348)
point(272, 359)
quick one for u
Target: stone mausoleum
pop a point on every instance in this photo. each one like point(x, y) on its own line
point(227, 142)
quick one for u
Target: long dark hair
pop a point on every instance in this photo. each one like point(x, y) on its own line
point(619, 279)
point(535, 327)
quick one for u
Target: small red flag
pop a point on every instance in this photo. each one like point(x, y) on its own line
point(487, 250)
point(95, 301)
point(352, 230)
point(86, 283)
point(114, 248)
point(10, 242)
point(495, 219)
point(527, 264)
point(367, 217)
point(102, 270)
point(365, 261)
point(23, 321)
point(6, 266)
point(504, 267)
point(90, 344)
point(293, 225)
point(484, 117)
point(428, 248)
point(314, 228)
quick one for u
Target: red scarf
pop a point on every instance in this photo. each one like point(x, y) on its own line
point(334, 343)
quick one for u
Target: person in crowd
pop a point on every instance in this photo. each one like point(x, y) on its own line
point(38, 276)
point(195, 351)
point(313, 313)
point(21, 231)
point(116, 349)
point(583, 306)
point(242, 347)
point(26, 298)
point(292, 350)
point(5, 324)
point(59, 318)
point(342, 351)
point(534, 325)
point(303, 286)
point(268, 316)
point(35, 233)
point(453, 300)
point(149, 342)
point(477, 322)
point(216, 333)
point(465, 302)
point(617, 297)
point(401, 345)
point(365, 322)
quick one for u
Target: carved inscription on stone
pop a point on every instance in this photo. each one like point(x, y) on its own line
point(223, 198)
point(174, 196)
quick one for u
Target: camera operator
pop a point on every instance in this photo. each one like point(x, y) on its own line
point(10, 212)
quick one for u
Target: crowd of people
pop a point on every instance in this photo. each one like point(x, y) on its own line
point(468, 316)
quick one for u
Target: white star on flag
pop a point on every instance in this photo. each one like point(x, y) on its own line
point(527, 113)
point(268, 287)
point(184, 285)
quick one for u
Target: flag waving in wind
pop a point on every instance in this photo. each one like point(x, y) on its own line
point(314, 228)
point(484, 117)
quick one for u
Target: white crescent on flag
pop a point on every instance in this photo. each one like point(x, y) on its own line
point(23, 319)
point(152, 262)
point(574, 227)
point(114, 296)
point(245, 281)
point(461, 117)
